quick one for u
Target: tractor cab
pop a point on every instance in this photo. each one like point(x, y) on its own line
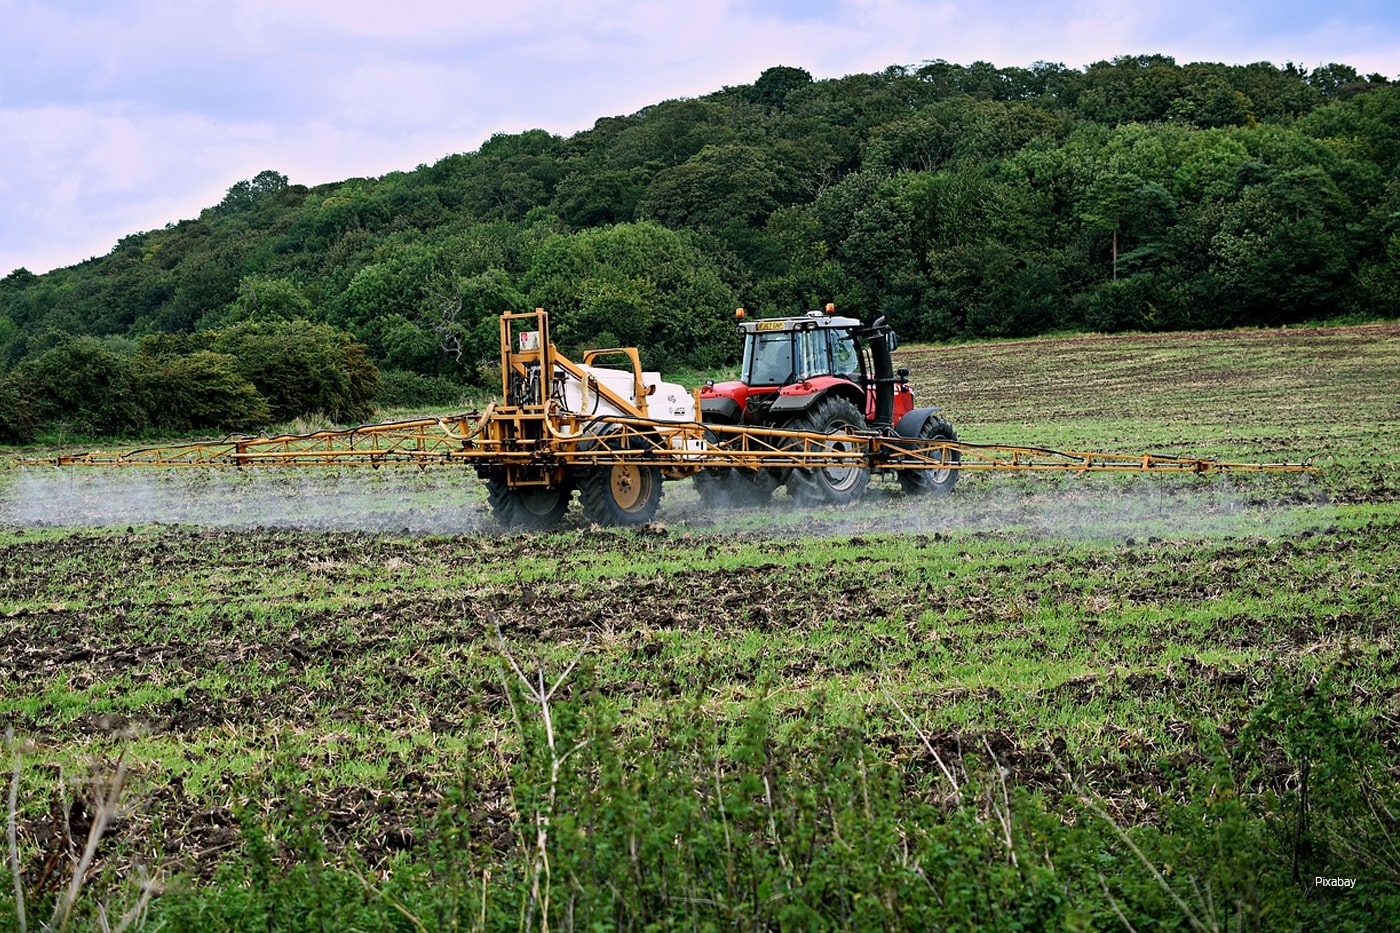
point(790, 362)
point(782, 351)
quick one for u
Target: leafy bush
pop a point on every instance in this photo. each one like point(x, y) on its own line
point(199, 390)
point(16, 421)
point(84, 385)
point(640, 284)
point(302, 367)
point(402, 389)
point(261, 298)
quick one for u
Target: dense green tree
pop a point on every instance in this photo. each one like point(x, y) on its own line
point(639, 281)
point(1272, 263)
point(669, 133)
point(1337, 80)
point(920, 142)
point(16, 418)
point(11, 343)
point(394, 284)
point(775, 84)
point(719, 186)
point(601, 197)
point(403, 344)
point(262, 298)
point(1130, 88)
point(1366, 127)
point(1211, 101)
point(466, 321)
point(1379, 282)
point(246, 194)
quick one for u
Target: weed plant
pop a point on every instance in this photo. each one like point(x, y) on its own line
point(758, 824)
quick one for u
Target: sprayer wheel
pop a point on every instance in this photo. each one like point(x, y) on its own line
point(620, 493)
point(527, 509)
point(837, 485)
point(933, 482)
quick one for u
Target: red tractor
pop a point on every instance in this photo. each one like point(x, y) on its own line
point(824, 374)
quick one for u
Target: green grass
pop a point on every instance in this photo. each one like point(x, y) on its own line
point(771, 709)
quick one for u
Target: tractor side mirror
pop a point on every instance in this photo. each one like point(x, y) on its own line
point(892, 340)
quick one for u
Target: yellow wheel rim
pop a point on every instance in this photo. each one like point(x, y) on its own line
point(629, 486)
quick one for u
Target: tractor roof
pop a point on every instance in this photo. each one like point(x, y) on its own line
point(812, 320)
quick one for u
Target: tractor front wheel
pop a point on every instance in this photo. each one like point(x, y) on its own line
point(933, 481)
point(837, 485)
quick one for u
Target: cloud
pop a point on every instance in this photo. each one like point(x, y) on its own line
point(117, 117)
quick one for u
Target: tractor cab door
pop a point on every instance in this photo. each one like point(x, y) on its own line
point(846, 358)
point(829, 352)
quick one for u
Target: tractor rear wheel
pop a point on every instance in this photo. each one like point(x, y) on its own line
point(620, 493)
point(527, 508)
point(933, 482)
point(836, 485)
point(733, 488)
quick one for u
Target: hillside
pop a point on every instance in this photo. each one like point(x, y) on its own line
point(958, 201)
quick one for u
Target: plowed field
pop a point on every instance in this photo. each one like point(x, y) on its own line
point(336, 646)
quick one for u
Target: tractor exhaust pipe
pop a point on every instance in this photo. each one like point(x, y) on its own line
point(880, 335)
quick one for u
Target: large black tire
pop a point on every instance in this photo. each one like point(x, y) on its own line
point(734, 488)
point(828, 485)
point(933, 482)
point(622, 494)
point(527, 508)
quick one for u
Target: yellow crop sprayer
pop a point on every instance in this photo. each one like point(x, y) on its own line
point(818, 408)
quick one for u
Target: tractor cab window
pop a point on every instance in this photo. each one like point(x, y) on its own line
point(845, 358)
point(813, 354)
point(768, 359)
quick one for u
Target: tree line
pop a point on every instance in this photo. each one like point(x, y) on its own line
point(959, 201)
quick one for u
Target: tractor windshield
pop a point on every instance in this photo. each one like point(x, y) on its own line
point(768, 359)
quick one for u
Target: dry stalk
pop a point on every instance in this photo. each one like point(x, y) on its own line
point(393, 902)
point(1091, 801)
point(1002, 810)
point(773, 824)
point(11, 826)
point(540, 877)
point(106, 809)
point(1113, 902)
point(137, 911)
point(928, 744)
point(102, 818)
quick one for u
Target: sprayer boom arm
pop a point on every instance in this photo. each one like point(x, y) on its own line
point(502, 437)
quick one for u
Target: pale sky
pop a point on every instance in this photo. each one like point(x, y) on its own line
point(118, 116)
